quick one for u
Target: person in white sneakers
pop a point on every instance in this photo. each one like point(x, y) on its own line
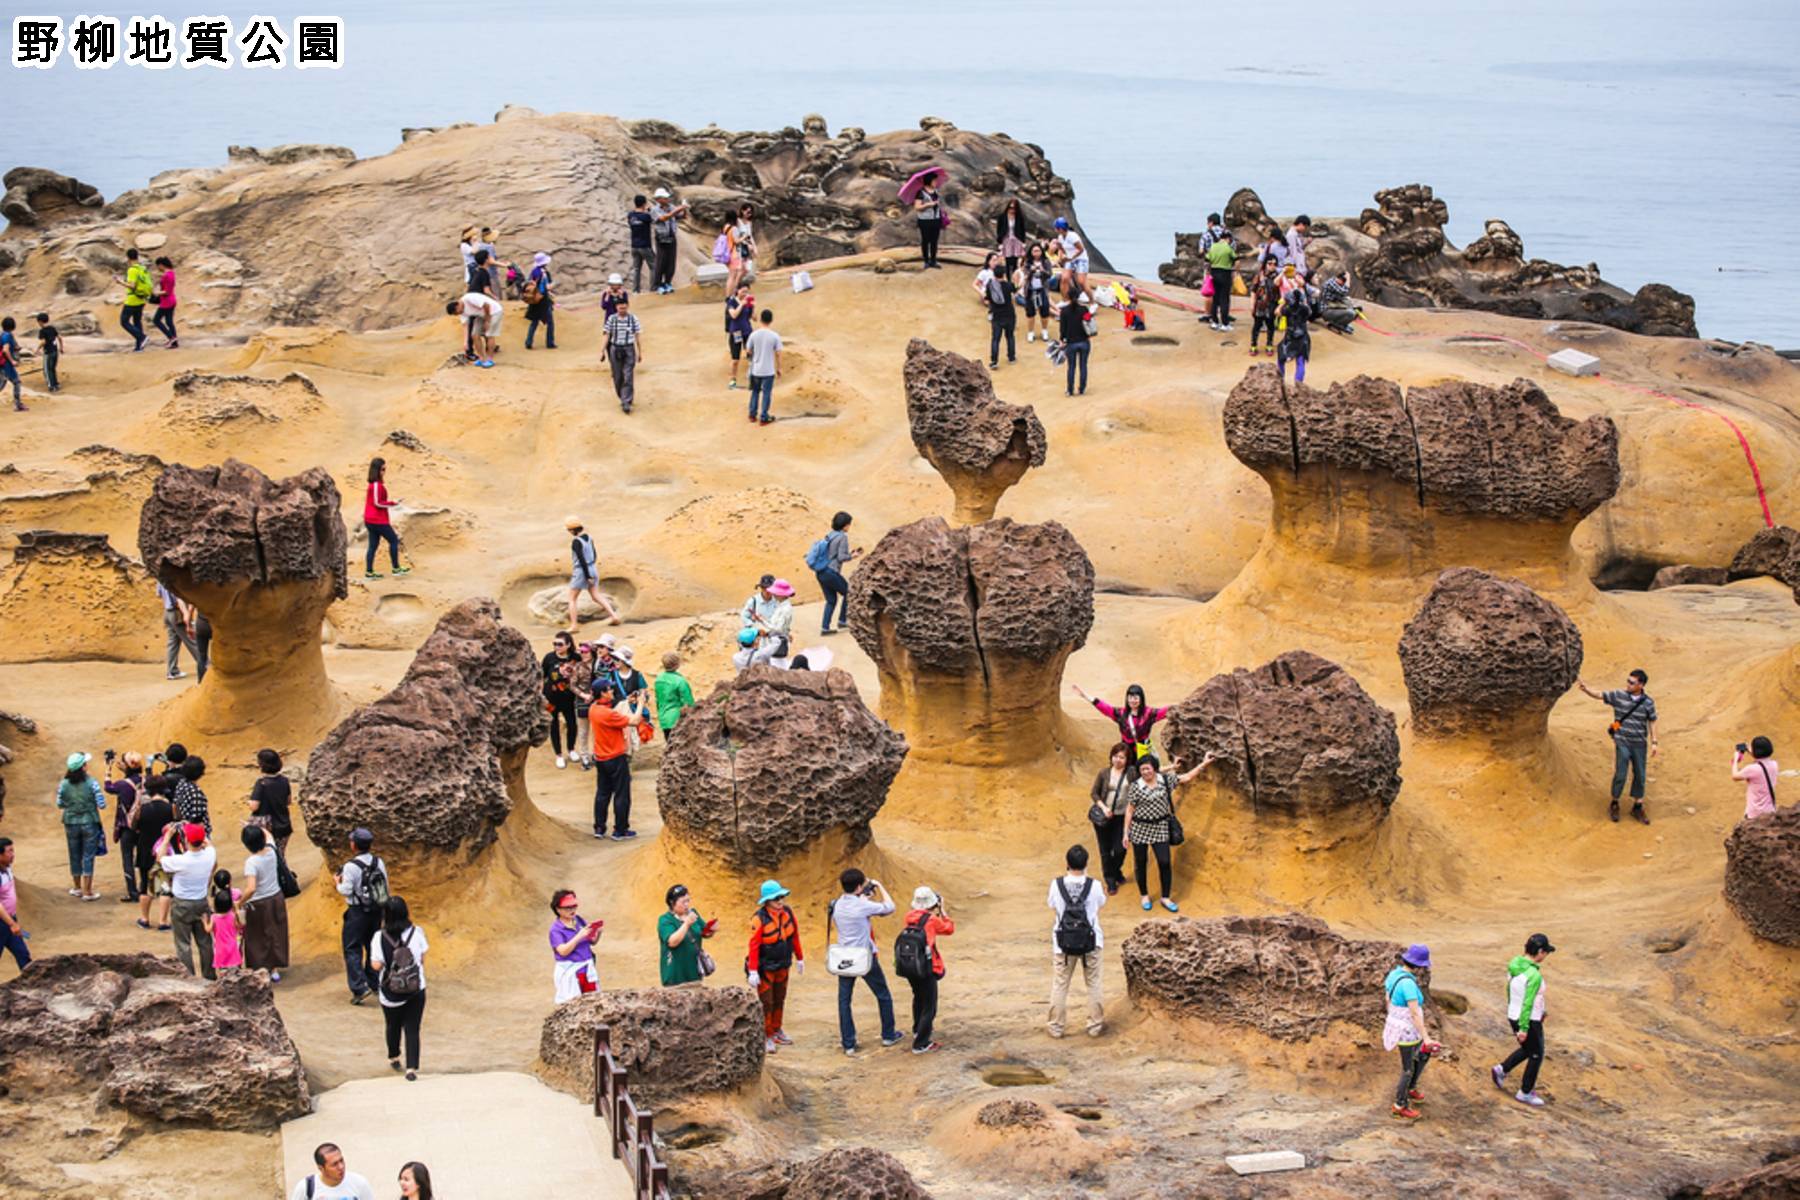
point(331, 1181)
point(1525, 1010)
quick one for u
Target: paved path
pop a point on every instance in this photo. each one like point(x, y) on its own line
point(494, 1134)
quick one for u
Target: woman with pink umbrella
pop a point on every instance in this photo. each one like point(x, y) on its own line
point(921, 191)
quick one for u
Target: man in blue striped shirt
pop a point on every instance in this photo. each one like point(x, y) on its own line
point(1633, 731)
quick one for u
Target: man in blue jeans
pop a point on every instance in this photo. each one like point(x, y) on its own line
point(1634, 738)
point(831, 575)
point(764, 346)
point(863, 898)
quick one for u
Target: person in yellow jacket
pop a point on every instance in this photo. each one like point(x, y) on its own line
point(138, 290)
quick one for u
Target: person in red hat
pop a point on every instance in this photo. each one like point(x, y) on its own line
point(190, 869)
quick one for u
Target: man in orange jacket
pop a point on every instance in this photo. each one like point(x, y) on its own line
point(774, 951)
point(612, 767)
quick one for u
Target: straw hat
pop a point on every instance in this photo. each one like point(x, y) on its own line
point(571, 522)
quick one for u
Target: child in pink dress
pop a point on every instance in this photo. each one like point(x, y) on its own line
point(222, 923)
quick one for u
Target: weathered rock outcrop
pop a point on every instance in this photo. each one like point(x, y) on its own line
point(139, 1032)
point(35, 196)
point(262, 560)
point(104, 604)
point(970, 628)
point(847, 1173)
point(1297, 737)
point(771, 760)
point(1485, 653)
point(1762, 875)
point(1774, 551)
point(1399, 256)
point(436, 766)
point(1779, 1180)
point(1289, 977)
point(1687, 574)
point(674, 1043)
point(980, 445)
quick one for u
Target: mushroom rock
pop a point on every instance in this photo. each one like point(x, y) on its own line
point(69, 596)
point(980, 445)
point(139, 1032)
point(1297, 737)
point(35, 195)
point(673, 1042)
point(1762, 875)
point(1289, 977)
point(743, 777)
point(970, 628)
point(262, 560)
point(436, 766)
point(1487, 653)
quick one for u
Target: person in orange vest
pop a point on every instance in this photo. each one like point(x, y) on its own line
point(774, 951)
point(612, 766)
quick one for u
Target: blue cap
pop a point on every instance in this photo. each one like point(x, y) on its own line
point(771, 891)
point(1062, 222)
point(1418, 955)
point(746, 636)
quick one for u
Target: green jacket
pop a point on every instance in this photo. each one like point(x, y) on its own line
point(1524, 993)
point(673, 697)
point(1221, 254)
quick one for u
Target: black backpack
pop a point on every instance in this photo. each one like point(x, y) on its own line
point(401, 976)
point(1074, 932)
point(912, 953)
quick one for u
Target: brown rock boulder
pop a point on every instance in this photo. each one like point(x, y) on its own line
point(674, 1043)
point(1289, 977)
point(35, 196)
point(436, 766)
point(1298, 736)
point(1778, 1181)
point(971, 627)
point(262, 560)
point(139, 1032)
point(1774, 551)
point(1762, 875)
point(1487, 653)
point(855, 1173)
point(980, 445)
point(1686, 574)
point(744, 777)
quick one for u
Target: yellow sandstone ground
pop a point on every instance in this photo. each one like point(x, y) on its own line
point(1674, 1036)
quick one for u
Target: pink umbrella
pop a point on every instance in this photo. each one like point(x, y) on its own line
point(910, 188)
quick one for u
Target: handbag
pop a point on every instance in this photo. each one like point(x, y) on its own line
point(284, 878)
point(1206, 285)
point(645, 731)
point(1238, 286)
point(1098, 814)
point(852, 962)
point(707, 965)
point(1177, 834)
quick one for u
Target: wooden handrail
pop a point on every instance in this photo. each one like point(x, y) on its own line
point(630, 1128)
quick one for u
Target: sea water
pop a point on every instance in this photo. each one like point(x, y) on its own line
point(1655, 138)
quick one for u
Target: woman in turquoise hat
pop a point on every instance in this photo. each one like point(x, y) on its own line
point(774, 952)
point(80, 798)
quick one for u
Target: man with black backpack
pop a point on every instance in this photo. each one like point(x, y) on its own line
point(918, 961)
point(1075, 938)
point(363, 883)
point(1633, 731)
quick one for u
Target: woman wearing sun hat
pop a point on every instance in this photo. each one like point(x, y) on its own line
point(542, 310)
point(776, 625)
point(774, 952)
point(584, 571)
point(1405, 1029)
point(80, 798)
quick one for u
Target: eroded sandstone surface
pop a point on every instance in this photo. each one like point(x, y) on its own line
point(105, 603)
point(674, 1043)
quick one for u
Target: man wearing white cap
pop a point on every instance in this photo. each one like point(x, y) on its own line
point(664, 212)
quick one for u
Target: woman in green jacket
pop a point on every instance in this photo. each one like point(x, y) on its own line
point(80, 798)
point(679, 932)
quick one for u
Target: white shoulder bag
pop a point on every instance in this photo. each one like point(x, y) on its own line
point(850, 961)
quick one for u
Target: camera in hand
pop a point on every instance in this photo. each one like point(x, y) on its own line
point(109, 755)
point(869, 889)
point(1742, 748)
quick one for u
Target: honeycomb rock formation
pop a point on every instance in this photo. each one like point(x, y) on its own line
point(1775, 552)
point(771, 760)
point(672, 1042)
point(1288, 977)
point(980, 445)
point(262, 560)
point(1466, 448)
point(1762, 875)
point(105, 604)
point(434, 767)
point(137, 1031)
point(970, 628)
point(855, 1173)
point(1485, 652)
point(1297, 736)
point(1779, 1180)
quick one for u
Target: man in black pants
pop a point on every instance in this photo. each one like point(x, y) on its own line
point(363, 883)
point(1525, 1011)
point(612, 766)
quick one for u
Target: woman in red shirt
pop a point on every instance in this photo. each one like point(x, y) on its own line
point(376, 504)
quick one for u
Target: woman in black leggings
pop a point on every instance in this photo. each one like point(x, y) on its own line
point(928, 208)
point(560, 695)
point(1149, 805)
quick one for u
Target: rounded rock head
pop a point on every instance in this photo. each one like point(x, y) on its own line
point(1486, 652)
point(1297, 736)
point(1762, 875)
point(773, 759)
point(979, 444)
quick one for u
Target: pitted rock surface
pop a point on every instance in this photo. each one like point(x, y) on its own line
point(1013, 1114)
point(1762, 875)
point(1468, 448)
point(980, 445)
point(1774, 551)
point(771, 760)
point(1298, 736)
point(436, 764)
point(674, 1043)
point(1778, 1180)
point(1484, 649)
point(1288, 976)
point(138, 1031)
point(855, 1173)
point(232, 524)
point(959, 599)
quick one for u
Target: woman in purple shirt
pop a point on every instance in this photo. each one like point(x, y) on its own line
point(572, 946)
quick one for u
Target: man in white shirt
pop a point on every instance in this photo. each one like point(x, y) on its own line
point(863, 898)
point(331, 1181)
point(190, 882)
point(764, 347)
point(480, 317)
point(1066, 891)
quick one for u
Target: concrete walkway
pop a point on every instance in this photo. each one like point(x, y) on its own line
point(496, 1134)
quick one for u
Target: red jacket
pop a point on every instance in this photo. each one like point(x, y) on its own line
point(935, 927)
point(608, 725)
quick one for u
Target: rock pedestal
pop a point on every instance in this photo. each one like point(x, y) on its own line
point(262, 560)
point(770, 761)
point(980, 445)
point(970, 628)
